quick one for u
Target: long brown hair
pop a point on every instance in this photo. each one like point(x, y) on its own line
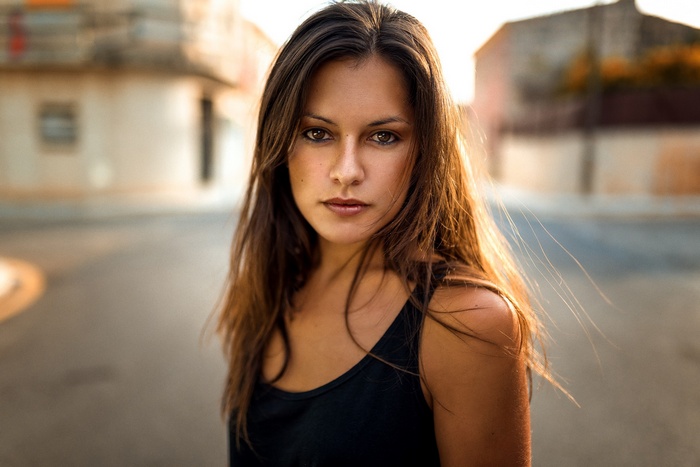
point(442, 217)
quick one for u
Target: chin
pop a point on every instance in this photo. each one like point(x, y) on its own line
point(346, 237)
point(345, 240)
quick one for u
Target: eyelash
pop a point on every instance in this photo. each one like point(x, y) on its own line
point(306, 134)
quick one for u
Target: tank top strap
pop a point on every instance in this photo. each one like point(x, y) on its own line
point(402, 341)
point(421, 296)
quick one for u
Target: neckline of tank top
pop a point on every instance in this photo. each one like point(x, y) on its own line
point(299, 395)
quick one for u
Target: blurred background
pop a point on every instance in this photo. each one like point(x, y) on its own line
point(126, 132)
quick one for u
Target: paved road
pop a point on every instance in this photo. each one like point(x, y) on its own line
point(638, 379)
point(108, 367)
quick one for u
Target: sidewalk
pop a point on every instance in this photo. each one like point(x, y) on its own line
point(118, 205)
point(607, 206)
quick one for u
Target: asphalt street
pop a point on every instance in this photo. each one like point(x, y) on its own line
point(112, 365)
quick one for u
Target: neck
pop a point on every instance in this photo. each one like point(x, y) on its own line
point(335, 271)
point(340, 262)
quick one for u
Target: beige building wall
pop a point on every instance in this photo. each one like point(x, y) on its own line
point(543, 164)
point(650, 161)
point(155, 95)
point(133, 132)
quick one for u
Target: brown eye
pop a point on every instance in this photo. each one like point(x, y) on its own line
point(316, 134)
point(384, 137)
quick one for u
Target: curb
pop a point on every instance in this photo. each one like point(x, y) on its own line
point(21, 284)
point(9, 280)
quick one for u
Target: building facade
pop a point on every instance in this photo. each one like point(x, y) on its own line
point(126, 96)
point(541, 139)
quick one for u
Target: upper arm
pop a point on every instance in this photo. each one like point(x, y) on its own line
point(476, 379)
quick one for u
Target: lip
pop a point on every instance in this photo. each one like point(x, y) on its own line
point(345, 207)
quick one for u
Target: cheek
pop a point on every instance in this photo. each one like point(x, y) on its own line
point(296, 175)
point(304, 168)
point(301, 177)
point(400, 176)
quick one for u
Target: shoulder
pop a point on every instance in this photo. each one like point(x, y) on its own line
point(475, 312)
point(475, 377)
point(471, 329)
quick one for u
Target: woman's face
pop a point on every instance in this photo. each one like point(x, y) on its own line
point(350, 162)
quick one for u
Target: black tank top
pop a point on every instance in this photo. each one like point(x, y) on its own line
point(373, 415)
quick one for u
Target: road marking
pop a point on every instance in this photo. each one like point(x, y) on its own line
point(21, 284)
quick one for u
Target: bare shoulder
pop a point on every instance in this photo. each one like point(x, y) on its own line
point(475, 378)
point(477, 314)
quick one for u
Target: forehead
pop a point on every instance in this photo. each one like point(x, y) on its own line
point(372, 85)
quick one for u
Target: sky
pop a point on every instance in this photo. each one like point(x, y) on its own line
point(457, 28)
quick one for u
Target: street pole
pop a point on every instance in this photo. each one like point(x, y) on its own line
point(593, 97)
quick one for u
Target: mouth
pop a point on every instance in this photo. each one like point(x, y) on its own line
point(345, 202)
point(345, 206)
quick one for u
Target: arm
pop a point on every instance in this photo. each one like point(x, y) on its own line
point(477, 389)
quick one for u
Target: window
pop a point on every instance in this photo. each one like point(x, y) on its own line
point(58, 124)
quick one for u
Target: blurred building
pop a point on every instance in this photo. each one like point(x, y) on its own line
point(563, 113)
point(126, 96)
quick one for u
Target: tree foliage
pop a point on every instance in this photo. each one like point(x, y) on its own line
point(674, 66)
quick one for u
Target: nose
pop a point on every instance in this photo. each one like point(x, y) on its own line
point(347, 168)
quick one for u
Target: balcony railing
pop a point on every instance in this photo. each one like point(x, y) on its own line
point(81, 36)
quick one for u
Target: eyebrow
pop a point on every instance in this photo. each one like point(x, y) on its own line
point(380, 122)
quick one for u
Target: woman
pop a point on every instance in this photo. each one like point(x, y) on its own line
point(373, 314)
